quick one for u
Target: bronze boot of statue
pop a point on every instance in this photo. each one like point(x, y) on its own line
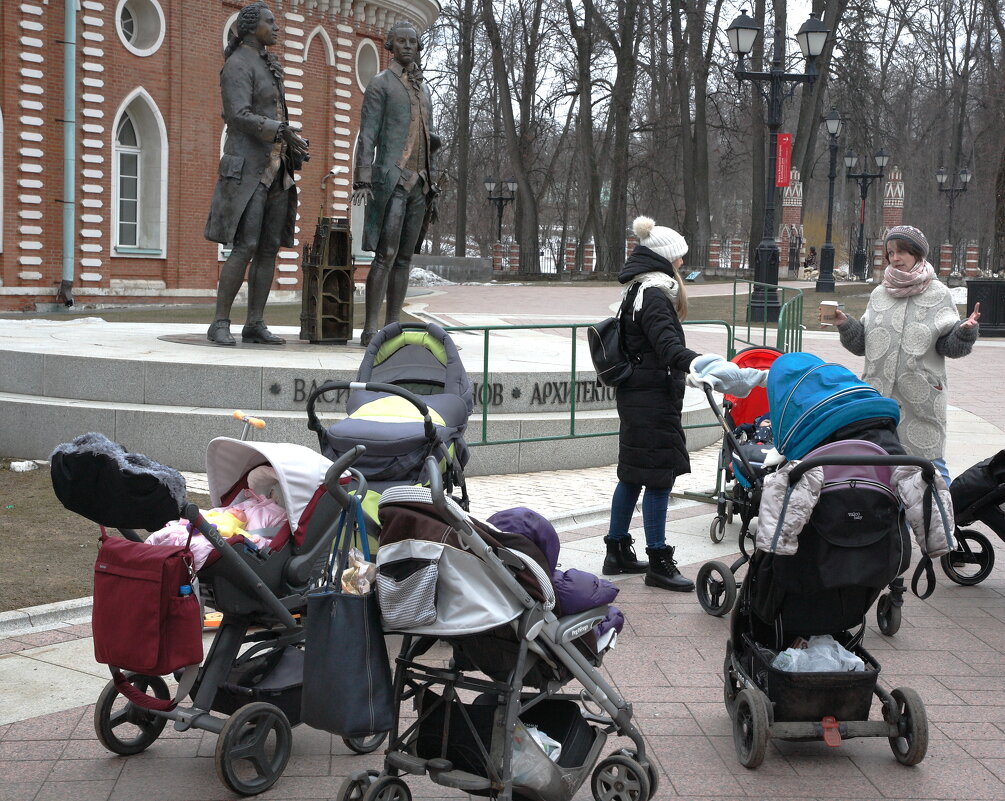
point(219, 333)
point(258, 333)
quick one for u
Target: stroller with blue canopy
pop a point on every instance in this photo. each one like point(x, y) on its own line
point(833, 535)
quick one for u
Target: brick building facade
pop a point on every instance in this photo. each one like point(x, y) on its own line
point(148, 136)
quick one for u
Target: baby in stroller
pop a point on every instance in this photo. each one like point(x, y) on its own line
point(833, 534)
point(492, 718)
point(251, 679)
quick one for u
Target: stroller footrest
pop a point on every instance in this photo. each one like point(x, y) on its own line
point(406, 763)
point(461, 780)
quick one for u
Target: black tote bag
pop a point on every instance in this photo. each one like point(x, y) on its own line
point(347, 678)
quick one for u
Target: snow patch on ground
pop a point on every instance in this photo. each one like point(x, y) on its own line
point(421, 277)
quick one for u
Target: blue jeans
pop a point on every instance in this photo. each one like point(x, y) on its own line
point(654, 512)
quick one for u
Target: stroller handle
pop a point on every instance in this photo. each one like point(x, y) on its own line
point(334, 474)
point(927, 468)
point(315, 425)
point(728, 433)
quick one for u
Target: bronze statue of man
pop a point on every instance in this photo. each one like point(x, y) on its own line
point(255, 202)
point(394, 173)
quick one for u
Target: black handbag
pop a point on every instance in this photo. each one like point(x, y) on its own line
point(347, 688)
point(613, 363)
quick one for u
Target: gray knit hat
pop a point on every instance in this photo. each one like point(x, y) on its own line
point(908, 233)
point(664, 241)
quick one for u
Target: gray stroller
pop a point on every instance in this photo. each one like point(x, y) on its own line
point(448, 579)
point(422, 360)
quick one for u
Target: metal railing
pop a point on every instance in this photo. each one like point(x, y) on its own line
point(787, 333)
point(787, 336)
point(574, 329)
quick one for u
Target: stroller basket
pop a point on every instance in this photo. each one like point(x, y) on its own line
point(276, 678)
point(847, 695)
point(559, 719)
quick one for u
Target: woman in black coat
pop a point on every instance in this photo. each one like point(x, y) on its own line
point(652, 450)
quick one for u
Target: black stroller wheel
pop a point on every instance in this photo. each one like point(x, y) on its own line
point(365, 745)
point(620, 778)
point(355, 785)
point(729, 511)
point(388, 788)
point(124, 728)
point(253, 748)
point(716, 588)
point(911, 743)
point(750, 728)
point(971, 561)
point(654, 776)
point(717, 530)
point(888, 616)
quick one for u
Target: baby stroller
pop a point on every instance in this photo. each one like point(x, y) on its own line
point(252, 675)
point(486, 594)
point(422, 360)
point(978, 495)
point(820, 572)
point(741, 459)
point(747, 440)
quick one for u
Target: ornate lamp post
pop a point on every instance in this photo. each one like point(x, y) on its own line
point(825, 279)
point(952, 192)
point(500, 192)
point(742, 33)
point(865, 180)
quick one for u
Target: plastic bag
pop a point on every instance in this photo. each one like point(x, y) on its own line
point(822, 654)
point(359, 574)
point(530, 764)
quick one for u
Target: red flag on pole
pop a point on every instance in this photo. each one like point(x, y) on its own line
point(783, 159)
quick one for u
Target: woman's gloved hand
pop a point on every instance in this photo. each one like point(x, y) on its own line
point(724, 376)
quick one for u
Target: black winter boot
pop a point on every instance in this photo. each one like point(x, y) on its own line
point(621, 557)
point(663, 572)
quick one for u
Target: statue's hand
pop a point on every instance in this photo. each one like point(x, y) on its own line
point(300, 146)
point(361, 193)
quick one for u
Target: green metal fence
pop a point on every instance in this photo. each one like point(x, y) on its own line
point(786, 336)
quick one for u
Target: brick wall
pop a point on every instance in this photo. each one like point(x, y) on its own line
point(318, 45)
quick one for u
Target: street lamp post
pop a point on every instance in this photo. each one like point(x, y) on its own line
point(864, 180)
point(500, 192)
point(742, 33)
point(952, 192)
point(825, 278)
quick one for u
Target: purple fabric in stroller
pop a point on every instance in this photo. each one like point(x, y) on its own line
point(575, 590)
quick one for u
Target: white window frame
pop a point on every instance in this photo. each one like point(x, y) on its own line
point(132, 150)
point(156, 141)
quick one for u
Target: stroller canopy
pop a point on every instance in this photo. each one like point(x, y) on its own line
point(300, 470)
point(418, 357)
point(749, 408)
point(810, 399)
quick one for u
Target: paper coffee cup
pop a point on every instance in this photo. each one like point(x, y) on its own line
point(828, 310)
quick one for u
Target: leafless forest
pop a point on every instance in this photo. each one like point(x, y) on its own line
point(604, 109)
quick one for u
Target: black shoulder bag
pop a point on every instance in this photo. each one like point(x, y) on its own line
point(611, 359)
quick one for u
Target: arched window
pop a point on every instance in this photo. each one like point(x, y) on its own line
point(139, 178)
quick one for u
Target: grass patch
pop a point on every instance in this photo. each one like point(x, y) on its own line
point(49, 551)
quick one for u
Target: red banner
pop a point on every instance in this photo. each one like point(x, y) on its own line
point(783, 159)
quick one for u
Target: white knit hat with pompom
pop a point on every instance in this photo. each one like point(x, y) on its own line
point(664, 241)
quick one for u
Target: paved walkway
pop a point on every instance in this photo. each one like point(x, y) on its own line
point(668, 661)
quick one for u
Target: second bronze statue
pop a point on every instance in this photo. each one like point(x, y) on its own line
point(395, 171)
